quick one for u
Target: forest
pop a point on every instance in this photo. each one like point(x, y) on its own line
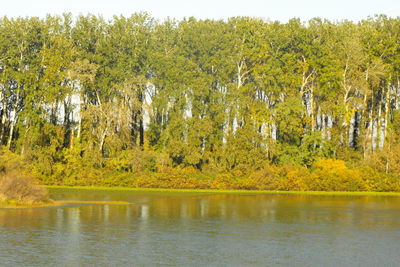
point(241, 103)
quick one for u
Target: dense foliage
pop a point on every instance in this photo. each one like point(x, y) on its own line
point(242, 103)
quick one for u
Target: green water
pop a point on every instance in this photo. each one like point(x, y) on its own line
point(184, 229)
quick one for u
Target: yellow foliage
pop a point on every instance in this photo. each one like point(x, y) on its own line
point(333, 175)
point(295, 180)
point(223, 181)
point(126, 171)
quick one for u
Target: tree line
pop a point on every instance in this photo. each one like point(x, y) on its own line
point(133, 95)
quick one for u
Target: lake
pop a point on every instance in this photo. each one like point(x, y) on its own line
point(203, 229)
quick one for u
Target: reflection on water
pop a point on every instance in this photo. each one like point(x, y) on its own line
point(203, 230)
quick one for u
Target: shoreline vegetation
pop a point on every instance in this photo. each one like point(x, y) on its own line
point(21, 189)
point(56, 203)
point(65, 203)
point(327, 175)
point(235, 104)
point(221, 191)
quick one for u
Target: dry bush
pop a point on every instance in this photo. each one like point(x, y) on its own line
point(21, 188)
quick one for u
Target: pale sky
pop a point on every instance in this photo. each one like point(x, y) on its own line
point(281, 10)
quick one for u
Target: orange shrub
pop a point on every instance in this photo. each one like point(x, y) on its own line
point(333, 175)
point(222, 181)
point(246, 184)
point(377, 181)
point(294, 179)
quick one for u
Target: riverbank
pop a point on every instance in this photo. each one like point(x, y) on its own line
point(217, 191)
point(58, 203)
point(325, 175)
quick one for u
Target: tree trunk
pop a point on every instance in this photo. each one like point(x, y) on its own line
point(141, 126)
point(141, 131)
point(3, 122)
point(379, 128)
point(102, 140)
point(312, 109)
point(11, 133)
point(387, 110)
point(71, 139)
point(12, 125)
point(78, 134)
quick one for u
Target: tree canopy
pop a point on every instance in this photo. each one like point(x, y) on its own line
point(134, 94)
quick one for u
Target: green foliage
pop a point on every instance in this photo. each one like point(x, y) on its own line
point(290, 118)
point(240, 104)
point(314, 147)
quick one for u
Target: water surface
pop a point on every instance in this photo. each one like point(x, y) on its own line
point(193, 229)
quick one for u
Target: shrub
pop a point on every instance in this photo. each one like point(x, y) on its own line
point(187, 178)
point(294, 178)
point(379, 181)
point(10, 161)
point(333, 175)
point(222, 181)
point(268, 178)
point(21, 188)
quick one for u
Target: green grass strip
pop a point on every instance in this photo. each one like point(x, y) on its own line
point(217, 191)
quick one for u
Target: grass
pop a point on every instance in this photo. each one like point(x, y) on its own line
point(217, 191)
